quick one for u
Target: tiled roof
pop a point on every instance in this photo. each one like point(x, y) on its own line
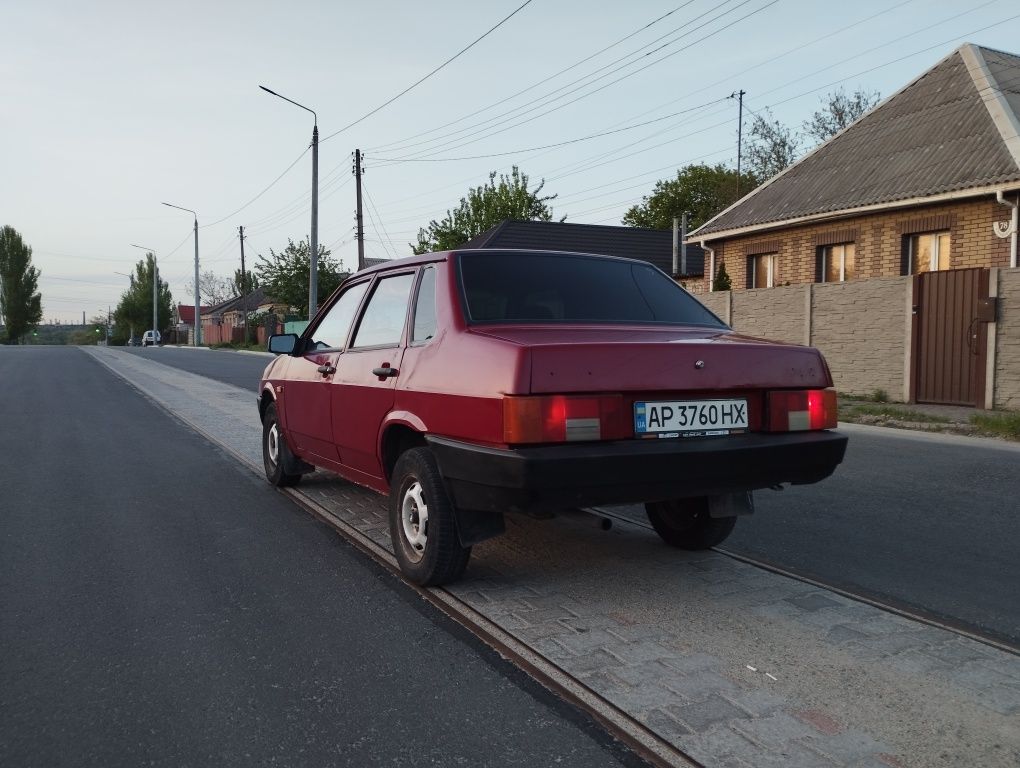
point(255, 299)
point(186, 312)
point(652, 245)
point(954, 128)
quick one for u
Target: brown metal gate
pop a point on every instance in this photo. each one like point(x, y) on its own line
point(950, 337)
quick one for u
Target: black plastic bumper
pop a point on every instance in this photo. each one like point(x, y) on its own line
point(631, 471)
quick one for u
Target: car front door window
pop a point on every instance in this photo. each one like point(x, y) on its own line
point(332, 332)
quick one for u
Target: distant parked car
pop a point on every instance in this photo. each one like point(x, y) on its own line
point(134, 341)
point(474, 383)
point(151, 338)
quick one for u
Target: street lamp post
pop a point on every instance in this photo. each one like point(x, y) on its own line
point(155, 291)
point(313, 260)
point(197, 338)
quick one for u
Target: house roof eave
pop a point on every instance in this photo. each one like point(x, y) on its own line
point(962, 194)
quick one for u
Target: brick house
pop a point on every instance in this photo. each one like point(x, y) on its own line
point(916, 185)
point(893, 246)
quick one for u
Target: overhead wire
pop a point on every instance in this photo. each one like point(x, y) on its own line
point(421, 80)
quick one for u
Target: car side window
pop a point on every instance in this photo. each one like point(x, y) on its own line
point(382, 322)
point(425, 308)
point(332, 331)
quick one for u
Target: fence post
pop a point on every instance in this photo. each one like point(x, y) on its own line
point(990, 382)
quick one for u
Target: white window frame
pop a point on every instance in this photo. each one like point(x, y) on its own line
point(770, 276)
point(842, 259)
point(933, 264)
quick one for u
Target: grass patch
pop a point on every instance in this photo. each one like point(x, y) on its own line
point(1005, 425)
point(849, 411)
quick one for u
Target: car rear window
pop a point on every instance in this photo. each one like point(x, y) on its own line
point(503, 287)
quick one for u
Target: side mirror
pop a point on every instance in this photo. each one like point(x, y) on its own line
point(283, 343)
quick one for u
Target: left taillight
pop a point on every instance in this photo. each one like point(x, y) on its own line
point(801, 410)
point(562, 418)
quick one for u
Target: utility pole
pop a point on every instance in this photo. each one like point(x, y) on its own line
point(683, 245)
point(358, 215)
point(739, 95)
point(676, 247)
point(244, 285)
point(313, 272)
point(155, 300)
point(198, 306)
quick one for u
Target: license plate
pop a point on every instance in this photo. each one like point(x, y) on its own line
point(689, 418)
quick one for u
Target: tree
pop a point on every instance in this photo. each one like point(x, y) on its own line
point(284, 275)
point(721, 281)
point(699, 190)
point(772, 147)
point(20, 301)
point(243, 286)
point(839, 110)
point(134, 312)
point(212, 289)
point(484, 207)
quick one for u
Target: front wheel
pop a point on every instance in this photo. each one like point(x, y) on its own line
point(274, 450)
point(423, 526)
point(686, 524)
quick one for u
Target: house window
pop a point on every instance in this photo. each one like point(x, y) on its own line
point(929, 252)
point(837, 263)
point(762, 270)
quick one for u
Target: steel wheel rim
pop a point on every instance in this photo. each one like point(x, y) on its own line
point(414, 519)
point(273, 444)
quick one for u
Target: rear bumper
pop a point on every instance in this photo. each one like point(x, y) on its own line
point(631, 471)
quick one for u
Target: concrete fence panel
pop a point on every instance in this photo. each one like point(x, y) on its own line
point(1007, 341)
point(773, 313)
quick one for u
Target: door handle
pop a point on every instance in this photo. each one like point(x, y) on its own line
point(385, 372)
point(326, 369)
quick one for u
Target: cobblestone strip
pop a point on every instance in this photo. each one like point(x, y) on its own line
point(675, 640)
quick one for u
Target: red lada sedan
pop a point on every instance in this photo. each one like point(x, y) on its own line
point(470, 384)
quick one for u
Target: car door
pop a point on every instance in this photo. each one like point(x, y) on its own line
point(306, 396)
point(367, 373)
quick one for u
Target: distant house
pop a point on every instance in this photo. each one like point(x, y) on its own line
point(231, 312)
point(186, 316)
point(652, 245)
point(917, 185)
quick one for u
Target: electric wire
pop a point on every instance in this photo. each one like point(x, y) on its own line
point(418, 82)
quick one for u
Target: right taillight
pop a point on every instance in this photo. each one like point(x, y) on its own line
point(801, 410)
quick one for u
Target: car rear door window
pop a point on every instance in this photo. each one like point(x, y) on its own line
point(382, 322)
point(425, 308)
point(332, 331)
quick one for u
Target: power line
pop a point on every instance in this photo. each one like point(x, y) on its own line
point(550, 98)
point(533, 85)
point(426, 77)
point(393, 160)
point(268, 187)
point(379, 230)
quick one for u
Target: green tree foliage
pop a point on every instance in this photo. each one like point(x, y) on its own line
point(134, 312)
point(284, 275)
point(839, 109)
point(772, 147)
point(20, 300)
point(721, 281)
point(247, 284)
point(699, 190)
point(484, 207)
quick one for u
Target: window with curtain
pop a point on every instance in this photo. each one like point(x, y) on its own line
point(929, 252)
point(837, 263)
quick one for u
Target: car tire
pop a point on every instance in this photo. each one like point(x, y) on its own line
point(686, 524)
point(428, 551)
point(274, 451)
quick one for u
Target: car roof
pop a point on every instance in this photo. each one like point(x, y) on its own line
point(427, 258)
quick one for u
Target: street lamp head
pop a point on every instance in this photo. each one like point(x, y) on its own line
point(315, 117)
point(267, 90)
point(180, 208)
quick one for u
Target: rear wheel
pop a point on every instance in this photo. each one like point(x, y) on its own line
point(685, 523)
point(423, 526)
point(275, 450)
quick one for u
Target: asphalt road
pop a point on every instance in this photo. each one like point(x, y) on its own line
point(927, 526)
point(160, 605)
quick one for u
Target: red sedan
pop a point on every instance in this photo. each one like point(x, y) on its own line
point(474, 383)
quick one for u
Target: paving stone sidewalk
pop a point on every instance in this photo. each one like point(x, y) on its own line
point(734, 665)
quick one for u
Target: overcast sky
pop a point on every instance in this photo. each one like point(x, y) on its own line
point(109, 108)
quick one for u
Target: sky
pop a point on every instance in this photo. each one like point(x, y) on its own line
point(110, 108)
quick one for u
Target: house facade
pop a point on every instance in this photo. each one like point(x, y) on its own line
point(893, 245)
